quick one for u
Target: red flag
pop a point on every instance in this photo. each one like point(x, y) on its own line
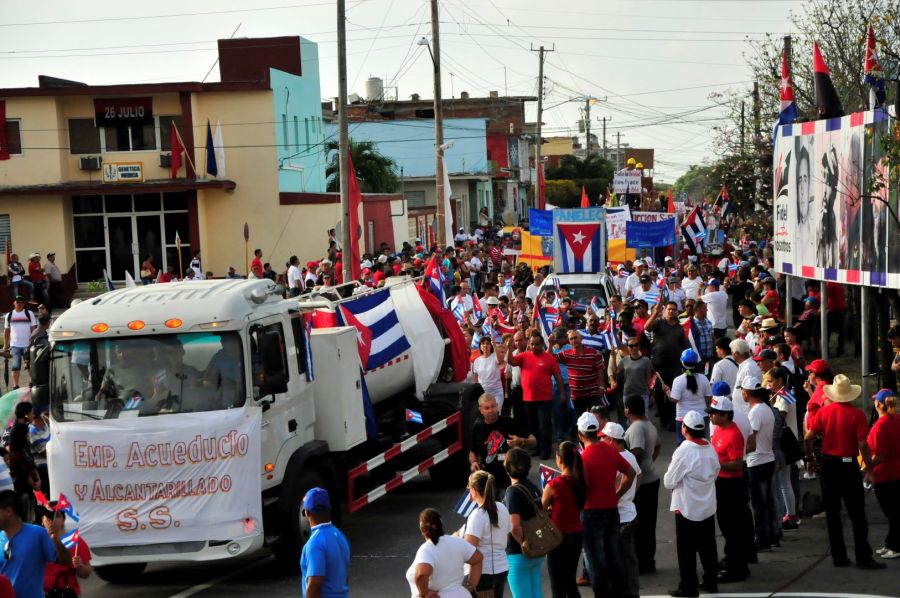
point(4, 149)
point(827, 101)
point(41, 499)
point(175, 144)
point(585, 202)
point(670, 208)
point(355, 202)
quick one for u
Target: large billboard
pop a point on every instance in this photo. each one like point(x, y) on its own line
point(828, 225)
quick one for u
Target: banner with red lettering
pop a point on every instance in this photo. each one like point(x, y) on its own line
point(168, 478)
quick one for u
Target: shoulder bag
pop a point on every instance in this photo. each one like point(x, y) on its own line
point(541, 534)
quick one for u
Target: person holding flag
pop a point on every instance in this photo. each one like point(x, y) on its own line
point(60, 577)
point(34, 548)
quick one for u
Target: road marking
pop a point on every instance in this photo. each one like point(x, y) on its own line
point(208, 584)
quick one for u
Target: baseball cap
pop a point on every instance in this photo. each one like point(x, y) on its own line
point(713, 282)
point(750, 383)
point(588, 423)
point(818, 367)
point(317, 500)
point(883, 394)
point(614, 430)
point(720, 405)
point(694, 420)
point(766, 354)
point(19, 298)
point(620, 267)
point(721, 389)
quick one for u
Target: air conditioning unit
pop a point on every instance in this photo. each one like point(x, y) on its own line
point(90, 162)
point(165, 160)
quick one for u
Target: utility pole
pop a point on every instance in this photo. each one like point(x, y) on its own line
point(439, 215)
point(618, 149)
point(587, 126)
point(757, 167)
point(540, 114)
point(347, 236)
point(603, 120)
point(742, 126)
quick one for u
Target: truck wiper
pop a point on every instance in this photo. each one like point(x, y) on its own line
point(81, 413)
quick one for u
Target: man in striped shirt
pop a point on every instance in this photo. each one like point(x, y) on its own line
point(587, 373)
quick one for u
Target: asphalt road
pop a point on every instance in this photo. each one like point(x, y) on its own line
point(384, 538)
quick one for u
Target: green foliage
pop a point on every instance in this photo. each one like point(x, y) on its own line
point(375, 172)
point(562, 193)
point(572, 168)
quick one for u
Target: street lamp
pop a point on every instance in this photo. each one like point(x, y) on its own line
point(440, 214)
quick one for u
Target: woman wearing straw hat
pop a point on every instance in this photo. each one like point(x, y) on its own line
point(844, 429)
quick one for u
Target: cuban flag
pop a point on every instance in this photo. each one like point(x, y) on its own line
point(547, 316)
point(70, 539)
point(434, 279)
point(732, 267)
point(379, 336)
point(133, 403)
point(63, 505)
point(579, 244)
point(726, 202)
point(477, 311)
point(787, 395)
point(788, 113)
point(547, 474)
point(414, 417)
point(465, 505)
point(459, 311)
point(694, 231)
point(651, 297)
point(595, 306)
point(874, 76)
point(307, 332)
point(692, 334)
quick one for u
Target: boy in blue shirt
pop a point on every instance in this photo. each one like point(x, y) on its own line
point(326, 555)
point(26, 548)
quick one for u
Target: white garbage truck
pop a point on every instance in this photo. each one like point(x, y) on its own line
point(189, 419)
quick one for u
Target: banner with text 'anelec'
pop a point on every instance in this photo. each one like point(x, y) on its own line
point(168, 478)
point(580, 240)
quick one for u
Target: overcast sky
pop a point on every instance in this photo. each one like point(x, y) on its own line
point(652, 64)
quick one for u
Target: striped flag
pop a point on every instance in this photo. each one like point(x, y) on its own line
point(434, 279)
point(70, 539)
point(459, 311)
point(307, 332)
point(465, 505)
point(414, 417)
point(595, 306)
point(547, 316)
point(787, 395)
point(477, 311)
point(694, 231)
point(476, 340)
point(547, 474)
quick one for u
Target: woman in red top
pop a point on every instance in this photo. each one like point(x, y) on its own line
point(884, 441)
point(564, 497)
point(66, 576)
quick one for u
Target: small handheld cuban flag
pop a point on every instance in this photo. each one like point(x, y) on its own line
point(414, 417)
point(70, 539)
point(459, 311)
point(476, 340)
point(63, 505)
point(595, 306)
point(465, 505)
point(547, 474)
point(787, 396)
point(434, 279)
point(732, 267)
point(133, 402)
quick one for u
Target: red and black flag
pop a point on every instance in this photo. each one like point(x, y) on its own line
point(827, 101)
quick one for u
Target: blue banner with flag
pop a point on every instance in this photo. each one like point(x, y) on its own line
point(646, 235)
point(540, 222)
point(580, 240)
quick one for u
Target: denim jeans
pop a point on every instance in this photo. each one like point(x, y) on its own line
point(785, 492)
point(563, 416)
point(14, 288)
point(762, 499)
point(540, 423)
point(601, 547)
point(525, 576)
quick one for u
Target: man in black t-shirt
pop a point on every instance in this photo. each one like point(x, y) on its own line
point(492, 436)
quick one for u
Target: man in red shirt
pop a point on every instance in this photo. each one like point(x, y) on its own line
point(733, 512)
point(538, 370)
point(819, 374)
point(600, 517)
point(587, 372)
point(38, 279)
point(256, 265)
point(843, 429)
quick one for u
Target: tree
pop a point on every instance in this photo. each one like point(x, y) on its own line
point(573, 168)
point(375, 172)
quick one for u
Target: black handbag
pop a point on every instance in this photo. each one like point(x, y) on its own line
point(790, 446)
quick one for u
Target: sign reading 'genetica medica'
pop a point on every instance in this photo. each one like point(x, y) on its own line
point(160, 479)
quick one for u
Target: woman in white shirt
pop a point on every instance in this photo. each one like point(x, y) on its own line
point(487, 528)
point(439, 564)
point(690, 391)
point(486, 371)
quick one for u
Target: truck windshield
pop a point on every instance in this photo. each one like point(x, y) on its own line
point(143, 376)
point(583, 294)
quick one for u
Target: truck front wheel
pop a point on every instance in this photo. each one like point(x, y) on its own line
point(121, 574)
point(288, 548)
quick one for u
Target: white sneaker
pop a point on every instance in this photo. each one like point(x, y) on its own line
point(881, 550)
point(890, 554)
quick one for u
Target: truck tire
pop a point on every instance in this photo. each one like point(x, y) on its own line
point(121, 574)
point(288, 547)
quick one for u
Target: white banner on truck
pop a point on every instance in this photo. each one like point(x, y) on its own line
point(168, 478)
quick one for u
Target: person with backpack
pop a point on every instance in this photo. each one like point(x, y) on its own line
point(18, 326)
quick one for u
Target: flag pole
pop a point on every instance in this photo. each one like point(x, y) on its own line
point(187, 155)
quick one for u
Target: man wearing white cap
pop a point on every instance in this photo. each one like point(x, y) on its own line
point(620, 279)
point(614, 434)
point(600, 516)
point(843, 428)
point(691, 477)
point(633, 281)
point(733, 512)
point(747, 368)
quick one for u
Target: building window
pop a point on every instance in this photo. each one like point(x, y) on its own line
point(165, 131)
point(5, 231)
point(130, 138)
point(14, 137)
point(417, 199)
point(297, 133)
point(84, 136)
